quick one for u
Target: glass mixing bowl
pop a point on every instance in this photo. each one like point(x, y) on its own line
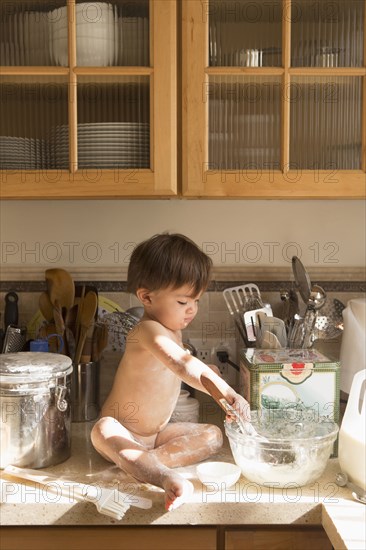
point(295, 449)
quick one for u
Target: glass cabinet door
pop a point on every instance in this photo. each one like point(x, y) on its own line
point(274, 98)
point(113, 127)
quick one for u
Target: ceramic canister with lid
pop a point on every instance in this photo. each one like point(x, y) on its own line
point(187, 408)
point(35, 419)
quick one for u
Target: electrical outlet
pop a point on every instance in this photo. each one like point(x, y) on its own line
point(227, 371)
point(207, 352)
point(204, 355)
point(224, 370)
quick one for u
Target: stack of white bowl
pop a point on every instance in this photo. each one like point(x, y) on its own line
point(96, 34)
point(22, 153)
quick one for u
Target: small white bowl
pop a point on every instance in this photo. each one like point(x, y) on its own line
point(219, 473)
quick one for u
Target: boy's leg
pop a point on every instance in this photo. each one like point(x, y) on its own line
point(115, 443)
point(184, 443)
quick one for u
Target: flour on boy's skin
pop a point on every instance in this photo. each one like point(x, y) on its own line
point(168, 274)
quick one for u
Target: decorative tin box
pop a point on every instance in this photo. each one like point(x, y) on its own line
point(291, 378)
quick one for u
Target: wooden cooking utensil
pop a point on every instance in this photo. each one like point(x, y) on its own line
point(245, 426)
point(87, 347)
point(89, 306)
point(45, 332)
point(79, 303)
point(46, 306)
point(60, 287)
point(100, 341)
point(59, 321)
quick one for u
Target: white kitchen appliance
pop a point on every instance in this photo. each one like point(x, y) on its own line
point(352, 439)
point(353, 347)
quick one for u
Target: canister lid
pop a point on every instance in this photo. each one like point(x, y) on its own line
point(28, 367)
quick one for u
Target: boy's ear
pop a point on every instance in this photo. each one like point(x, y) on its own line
point(143, 294)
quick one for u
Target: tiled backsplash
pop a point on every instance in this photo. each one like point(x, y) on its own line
point(213, 322)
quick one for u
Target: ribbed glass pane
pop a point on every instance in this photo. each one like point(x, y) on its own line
point(114, 122)
point(244, 33)
point(133, 46)
point(112, 33)
point(36, 33)
point(26, 32)
point(244, 122)
point(327, 34)
point(33, 111)
point(326, 115)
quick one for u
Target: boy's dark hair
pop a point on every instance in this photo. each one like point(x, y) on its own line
point(168, 260)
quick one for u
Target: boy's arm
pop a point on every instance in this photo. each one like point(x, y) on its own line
point(158, 341)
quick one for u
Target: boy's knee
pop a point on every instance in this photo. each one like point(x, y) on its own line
point(99, 428)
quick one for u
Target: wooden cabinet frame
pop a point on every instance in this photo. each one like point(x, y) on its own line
point(281, 184)
point(161, 179)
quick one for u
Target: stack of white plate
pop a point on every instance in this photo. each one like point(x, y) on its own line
point(96, 34)
point(58, 147)
point(22, 153)
point(105, 145)
point(114, 145)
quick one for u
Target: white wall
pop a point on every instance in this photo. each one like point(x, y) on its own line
point(103, 233)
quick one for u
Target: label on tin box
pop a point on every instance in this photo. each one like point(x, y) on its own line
point(296, 373)
point(317, 392)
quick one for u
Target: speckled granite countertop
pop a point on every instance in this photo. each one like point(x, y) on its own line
point(322, 503)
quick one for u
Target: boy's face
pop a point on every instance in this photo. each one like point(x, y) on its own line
point(174, 309)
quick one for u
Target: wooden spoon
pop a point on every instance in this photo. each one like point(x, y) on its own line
point(60, 287)
point(245, 426)
point(100, 341)
point(46, 306)
point(59, 321)
point(89, 306)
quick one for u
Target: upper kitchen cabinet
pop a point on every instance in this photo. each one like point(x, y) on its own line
point(274, 98)
point(88, 99)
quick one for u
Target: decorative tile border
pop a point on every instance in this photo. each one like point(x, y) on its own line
point(215, 286)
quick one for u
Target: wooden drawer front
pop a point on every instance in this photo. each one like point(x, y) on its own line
point(277, 539)
point(111, 538)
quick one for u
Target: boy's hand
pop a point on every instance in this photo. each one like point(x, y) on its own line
point(242, 408)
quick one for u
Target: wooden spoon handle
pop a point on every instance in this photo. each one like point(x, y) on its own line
point(218, 396)
point(81, 342)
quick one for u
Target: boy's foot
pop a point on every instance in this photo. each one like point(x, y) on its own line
point(177, 491)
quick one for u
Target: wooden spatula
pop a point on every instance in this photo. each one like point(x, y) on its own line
point(89, 306)
point(60, 287)
point(46, 306)
point(245, 426)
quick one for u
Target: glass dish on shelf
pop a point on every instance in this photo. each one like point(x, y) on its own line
point(243, 33)
point(327, 34)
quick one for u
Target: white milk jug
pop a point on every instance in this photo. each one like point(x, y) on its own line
point(352, 435)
